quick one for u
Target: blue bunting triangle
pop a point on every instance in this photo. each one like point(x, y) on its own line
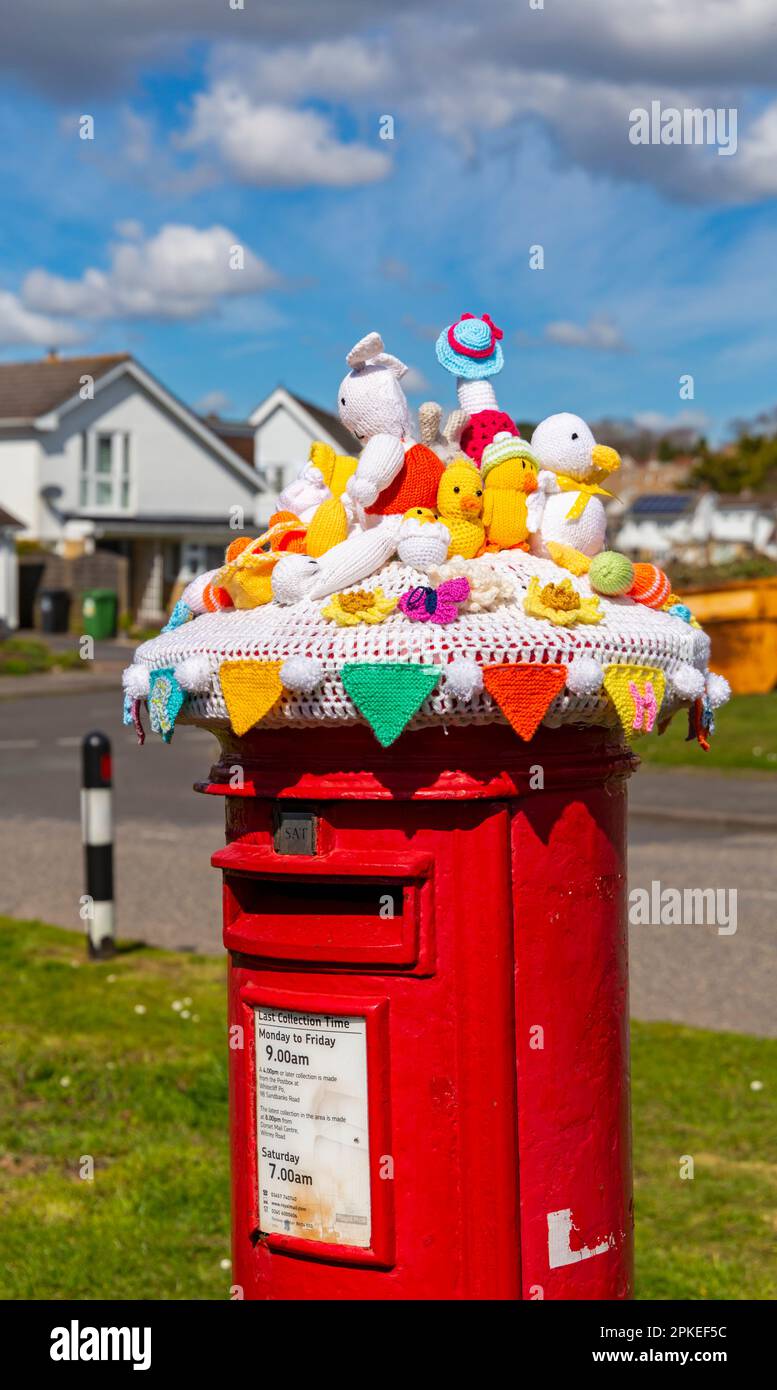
point(165, 697)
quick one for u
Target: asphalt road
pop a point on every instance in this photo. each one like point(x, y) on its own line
point(167, 893)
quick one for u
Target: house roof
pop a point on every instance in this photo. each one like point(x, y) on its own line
point(9, 522)
point(39, 393)
point(331, 423)
point(31, 389)
point(238, 434)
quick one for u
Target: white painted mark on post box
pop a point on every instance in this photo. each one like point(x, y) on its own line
point(312, 1126)
point(560, 1252)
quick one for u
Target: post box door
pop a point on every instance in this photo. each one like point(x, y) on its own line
point(428, 1081)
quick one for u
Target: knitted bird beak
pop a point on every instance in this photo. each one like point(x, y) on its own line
point(530, 482)
point(605, 458)
point(471, 504)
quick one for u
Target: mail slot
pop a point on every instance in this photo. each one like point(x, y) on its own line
point(340, 908)
point(428, 1014)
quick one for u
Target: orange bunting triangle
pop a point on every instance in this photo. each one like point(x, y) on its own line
point(523, 690)
point(250, 689)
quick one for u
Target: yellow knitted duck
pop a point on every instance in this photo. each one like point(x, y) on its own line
point(509, 472)
point(459, 506)
point(329, 525)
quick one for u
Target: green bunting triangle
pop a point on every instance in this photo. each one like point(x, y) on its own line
point(388, 693)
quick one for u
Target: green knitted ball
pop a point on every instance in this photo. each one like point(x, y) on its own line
point(611, 573)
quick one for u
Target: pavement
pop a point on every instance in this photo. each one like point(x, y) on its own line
point(687, 830)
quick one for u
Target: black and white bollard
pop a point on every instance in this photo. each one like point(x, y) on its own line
point(97, 835)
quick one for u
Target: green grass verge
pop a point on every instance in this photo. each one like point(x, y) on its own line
point(712, 1236)
point(745, 737)
point(25, 656)
point(146, 1098)
point(144, 1094)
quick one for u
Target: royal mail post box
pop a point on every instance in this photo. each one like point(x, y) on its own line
point(428, 1014)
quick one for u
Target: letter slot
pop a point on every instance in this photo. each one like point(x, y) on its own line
point(338, 909)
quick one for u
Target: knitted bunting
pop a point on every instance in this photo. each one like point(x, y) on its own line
point(523, 691)
point(388, 693)
point(637, 693)
point(250, 689)
point(165, 698)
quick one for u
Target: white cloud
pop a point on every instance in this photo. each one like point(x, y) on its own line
point(658, 423)
point(277, 146)
point(213, 403)
point(578, 68)
point(180, 273)
point(336, 69)
point(19, 325)
point(129, 229)
point(598, 335)
point(414, 382)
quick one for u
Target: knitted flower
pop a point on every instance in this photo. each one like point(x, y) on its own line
point(487, 586)
point(440, 605)
point(560, 603)
point(359, 606)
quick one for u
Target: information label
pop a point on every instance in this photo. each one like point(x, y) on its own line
point(312, 1126)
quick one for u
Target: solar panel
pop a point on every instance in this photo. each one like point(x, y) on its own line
point(660, 504)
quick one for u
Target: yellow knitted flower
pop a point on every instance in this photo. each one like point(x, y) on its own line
point(359, 606)
point(560, 603)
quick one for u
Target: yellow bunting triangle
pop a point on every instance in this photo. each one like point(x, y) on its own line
point(637, 693)
point(250, 689)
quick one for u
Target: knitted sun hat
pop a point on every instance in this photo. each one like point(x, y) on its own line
point(505, 446)
point(470, 348)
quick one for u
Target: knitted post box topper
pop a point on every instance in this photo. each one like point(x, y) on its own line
point(568, 523)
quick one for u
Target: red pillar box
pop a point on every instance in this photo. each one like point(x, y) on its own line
point(429, 1015)
point(425, 914)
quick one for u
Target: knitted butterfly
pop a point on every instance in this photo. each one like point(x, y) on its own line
point(440, 605)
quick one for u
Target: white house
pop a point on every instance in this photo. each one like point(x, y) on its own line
point(96, 453)
point(9, 572)
point(708, 527)
point(284, 427)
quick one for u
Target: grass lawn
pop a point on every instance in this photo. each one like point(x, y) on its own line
point(745, 737)
point(145, 1095)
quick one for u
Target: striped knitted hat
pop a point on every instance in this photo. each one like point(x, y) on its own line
point(506, 446)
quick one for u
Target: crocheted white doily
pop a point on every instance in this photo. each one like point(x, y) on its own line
point(628, 632)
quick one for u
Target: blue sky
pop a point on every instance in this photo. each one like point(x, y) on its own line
point(216, 126)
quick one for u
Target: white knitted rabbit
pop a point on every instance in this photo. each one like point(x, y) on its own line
point(373, 406)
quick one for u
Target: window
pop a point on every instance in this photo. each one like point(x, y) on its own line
point(105, 477)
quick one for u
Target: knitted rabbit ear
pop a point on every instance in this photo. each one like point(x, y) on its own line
point(454, 426)
point(366, 348)
point(429, 416)
point(385, 359)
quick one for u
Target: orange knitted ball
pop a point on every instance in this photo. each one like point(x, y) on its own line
point(650, 586)
point(415, 485)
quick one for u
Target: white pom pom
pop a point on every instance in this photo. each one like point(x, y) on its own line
point(584, 676)
point(193, 674)
point(688, 682)
point(463, 678)
point(302, 673)
point(135, 681)
point(718, 689)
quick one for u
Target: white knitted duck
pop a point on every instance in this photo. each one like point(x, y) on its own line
point(567, 521)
